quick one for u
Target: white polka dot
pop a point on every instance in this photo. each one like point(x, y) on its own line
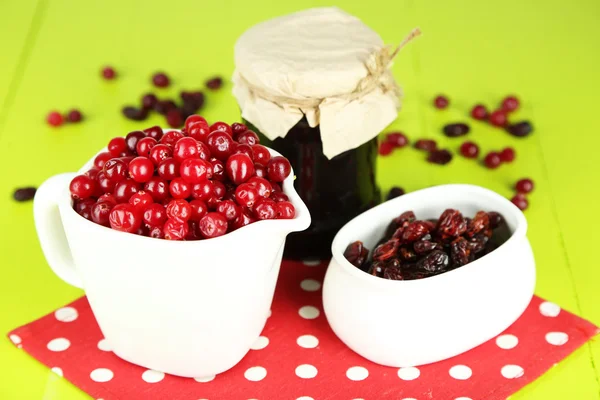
point(408, 398)
point(16, 339)
point(357, 373)
point(512, 371)
point(152, 376)
point(306, 371)
point(309, 312)
point(463, 398)
point(103, 345)
point(557, 338)
point(507, 342)
point(311, 263)
point(205, 379)
point(58, 344)
point(255, 374)
point(57, 370)
point(307, 341)
point(408, 373)
point(66, 314)
point(460, 372)
point(101, 375)
point(260, 343)
point(305, 398)
point(548, 309)
point(310, 285)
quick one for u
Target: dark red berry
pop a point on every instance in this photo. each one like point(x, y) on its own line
point(386, 148)
point(395, 192)
point(170, 138)
point(105, 184)
point(249, 137)
point(149, 100)
point(199, 130)
point(520, 201)
point(213, 225)
point(195, 170)
point(520, 129)
point(84, 208)
point(237, 128)
point(265, 209)
point(214, 83)
point(510, 103)
point(118, 147)
point(159, 153)
point(398, 139)
point(164, 106)
point(279, 196)
point(243, 149)
point(262, 185)
point(441, 157)
point(100, 212)
point(144, 146)
point(479, 112)
point(455, 130)
point(141, 200)
point(498, 118)
point(132, 140)
point(221, 126)
point(199, 209)
point(135, 114)
point(179, 210)
point(507, 155)
point(125, 218)
point(185, 148)
point(82, 187)
point(492, 160)
point(108, 73)
point(101, 159)
point(168, 169)
point(426, 144)
point(180, 189)
point(219, 190)
point(469, 150)
point(155, 215)
point(154, 132)
point(246, 195)
point(203, 151)
point(160, 79)
point(229, 209)
point(125, 189)
point(92, 173)
point(441, 102)
point(108, 198)
point(261, 154)
point(156, 232)
point(175, 118)
point(218, 170)
point(244, 219)
point(141, 169)
point(240, 168)
point(74, 116)
point(175, 230)
point(524, 185)
point(278, 169)
point(285, 210)
point(158, 189)
point(220, 144)
point(203, 190)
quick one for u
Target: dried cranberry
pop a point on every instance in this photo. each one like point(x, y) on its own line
point(164, 106)
point(441, 157)
point(524, 185)
point(460, 252)
point(413, 232)
point(495, 219)
point(395, 192)
point(426, 144)
point(451, 224)
point(356, 254)
point(520, 129)
point(469, 150)
point(175, 118)
point(520, 201)
point(434, 262)
point(425, 246)
point(441, 102)
point(479, 223)
point(214, 83)
point(376, 269)
point(24, 194)
point(386, 250)
point(135, 114)
point(394, 274)
point(406, 253)
point(455, 130)
point(479, 112)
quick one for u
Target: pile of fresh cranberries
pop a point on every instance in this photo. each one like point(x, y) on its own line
point(198, 183)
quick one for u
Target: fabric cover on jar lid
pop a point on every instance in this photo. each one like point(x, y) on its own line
point(322, 63)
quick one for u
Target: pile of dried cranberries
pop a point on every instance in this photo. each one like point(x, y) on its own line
point(198, 183)
point(415, 249)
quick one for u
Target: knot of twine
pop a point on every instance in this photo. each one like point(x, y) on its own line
point(376, 68)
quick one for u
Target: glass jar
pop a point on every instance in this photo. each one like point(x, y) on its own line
point(334, 190)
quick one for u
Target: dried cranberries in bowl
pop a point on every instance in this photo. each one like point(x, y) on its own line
point(415, 249)
point(184, 186)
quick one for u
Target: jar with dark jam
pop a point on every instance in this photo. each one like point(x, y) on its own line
point(334, 190)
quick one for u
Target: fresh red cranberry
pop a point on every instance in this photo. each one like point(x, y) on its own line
point(262, 185)
point(219, 190)
point(249, 137)
point(508, 154)
point(156, 232)
point(193, 231)
point(117, 147)
point(520, 201)
point(203, 190)
point(276, 187)
point(203, 151)
point(159, 153)
point(218, 170)
point(180, 189)
point(212, 225)
point(265, 209)
point(149, 100)
point(510, 103)
point(158, 189)
point(246, 195)
point(84, 208)
point(74, 116)
point(385, 148)
point(199, 210)
point(524, 185)
point(397, 139)
point(492, 160)
point(229, 209)
point(141, 200)
point(101, 159)
point(175, 118)
point(214, 83)
point(141, 169)
point(144, 146)
point(426, 144)
point(154, 132)
point(279, 196)
point(105, 184)
point(168, 169)
point(160, 79)
point(192, 119)
point(221, 126)
point(108, 73)
point(195, 170)
point(54, 118)
point(212, 203)
point(92, 173)
point(82, 187)
point(220, 144)
point(237, 128)
point(285, 210)
point(441, 102)
point(179, 210)
point(260, 171)
point(244, 219)
point(469, 150)
point(175, 230)
point(107, 198)
point(125, 189)
point(125, 218)
point(185, 148)
point(132, 140)
point(155, 215)
point(170, 138)
point(261, 154)
point(100, 212)
point(479, 112)
point(278, 169)
point(243, 149)
point(199, 130)
point(498, 118)
point(239, 168)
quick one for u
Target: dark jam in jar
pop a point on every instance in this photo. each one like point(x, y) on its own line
point(335, 191)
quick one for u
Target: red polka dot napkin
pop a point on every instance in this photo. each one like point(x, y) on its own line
point(299, 358)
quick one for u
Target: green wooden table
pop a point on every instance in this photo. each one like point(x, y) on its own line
point(547, 52)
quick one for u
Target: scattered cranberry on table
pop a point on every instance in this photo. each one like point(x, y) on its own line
point(441, 102)
point(74, 116)
point(507, 154)
point(524, 185)
point(510, 103)
point(54, 118)
point(397, 139)
point(214, 83)
point(386, 148)
point(520, 129)
point(416, 249)
point(469, 150)
point(169, 185)
point(520, 201)
point(395, 192)
point(426, 144)
point(498, 118)
point(108, 73)
point(456, 130)
point(492, 160)
point(441, 157)
point(479, 112)
point(161, 80)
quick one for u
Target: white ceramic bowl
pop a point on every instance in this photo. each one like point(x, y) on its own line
point(411, 323)
point(191, 309)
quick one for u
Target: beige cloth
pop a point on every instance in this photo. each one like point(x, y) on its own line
point(322, 63)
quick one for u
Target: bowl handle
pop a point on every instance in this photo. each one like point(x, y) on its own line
point(50, 230)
